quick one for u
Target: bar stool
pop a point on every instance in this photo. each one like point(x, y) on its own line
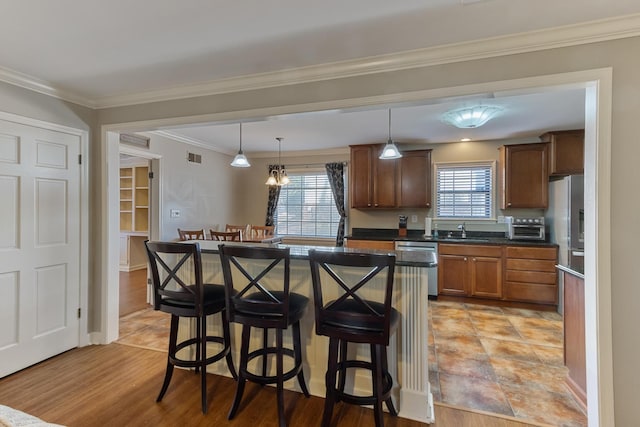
point(178, 289)
point(257, 293)
point(349, 318)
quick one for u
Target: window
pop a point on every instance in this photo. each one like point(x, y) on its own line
point(306, 207)
point(464, 190)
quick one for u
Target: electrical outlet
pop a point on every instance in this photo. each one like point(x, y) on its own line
point(414, 218)
point(175, 213)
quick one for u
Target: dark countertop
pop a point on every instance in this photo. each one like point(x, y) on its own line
point(301, 252)
point(473, 237)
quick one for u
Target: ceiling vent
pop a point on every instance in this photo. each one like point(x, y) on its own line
point(194, 158)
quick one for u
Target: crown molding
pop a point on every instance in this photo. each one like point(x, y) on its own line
point(191, 141)
point(41, 86)
point(569, 35)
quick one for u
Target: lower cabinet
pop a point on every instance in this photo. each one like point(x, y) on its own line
point(470, 270)
point(132, 252)
point(370, 244)
point(530, 274)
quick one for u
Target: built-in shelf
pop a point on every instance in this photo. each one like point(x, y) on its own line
point(134, 199)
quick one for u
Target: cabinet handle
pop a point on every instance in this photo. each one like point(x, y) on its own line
point(376, 205)
point(465, 258)
point(509, 204)
point(369, 204)
point(474, 260)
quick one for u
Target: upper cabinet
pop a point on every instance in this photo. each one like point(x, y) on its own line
point(375, 183)
point(566, 152)
point(524, 177)
point(414, 179)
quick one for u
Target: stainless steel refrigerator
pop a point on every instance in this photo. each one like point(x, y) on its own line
point(565, 217)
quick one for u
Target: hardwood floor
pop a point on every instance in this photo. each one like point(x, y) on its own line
point(116, 385)
point(133, 291)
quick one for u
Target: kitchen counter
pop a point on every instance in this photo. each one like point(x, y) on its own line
point(473, 237)
point(408, 349)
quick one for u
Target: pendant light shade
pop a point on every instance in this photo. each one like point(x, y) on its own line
point(390, 151)
point(240, 161)
point(278, 176)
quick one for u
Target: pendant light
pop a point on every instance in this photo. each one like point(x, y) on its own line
point(390, 151)
point(278, 176)
point(240, 161)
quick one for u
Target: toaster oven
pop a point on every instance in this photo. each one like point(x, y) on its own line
point(525, 228)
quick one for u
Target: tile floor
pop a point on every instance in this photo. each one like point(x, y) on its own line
point(500, 360)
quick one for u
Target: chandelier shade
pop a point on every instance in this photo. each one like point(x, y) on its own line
point(390, 151)
point(240, 161)
point(471, 117)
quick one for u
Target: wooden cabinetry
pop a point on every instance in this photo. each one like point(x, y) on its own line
point(566, 152)
point(370, 244)
point(134, 198)
point(373, 181)
point(470, 270)
point(574, 336)
point(530, 274)
point(401, 183)
point(414, 179)
point(524, 178)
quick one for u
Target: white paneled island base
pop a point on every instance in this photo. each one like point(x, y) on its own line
point(407, 351)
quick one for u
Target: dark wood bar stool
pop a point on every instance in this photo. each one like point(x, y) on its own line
point(257, 290)
point(171, 264)
point(350, 318)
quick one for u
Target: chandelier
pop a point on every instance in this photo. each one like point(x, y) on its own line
point(278, 176)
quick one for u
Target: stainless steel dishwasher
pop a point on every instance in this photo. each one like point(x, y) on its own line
point(427, 248)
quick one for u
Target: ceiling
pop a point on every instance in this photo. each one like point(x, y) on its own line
point(95, 50)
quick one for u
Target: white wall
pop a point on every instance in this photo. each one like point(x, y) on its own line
point(203, 193)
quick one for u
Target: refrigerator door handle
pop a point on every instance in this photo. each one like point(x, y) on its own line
point(577, 253)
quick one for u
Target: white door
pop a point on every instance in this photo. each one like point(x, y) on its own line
point(39, 244)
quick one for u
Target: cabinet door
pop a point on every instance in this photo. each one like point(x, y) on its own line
point(384, 181)
point(453, 275)
point(525, 180)
point(361, 190)
point(566, 152)
point(486, 277)
point(414, 179)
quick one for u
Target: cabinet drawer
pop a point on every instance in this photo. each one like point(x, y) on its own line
point(531, 265)
point(529, 252)
point(537, 277)
point(529, 292)
point(470, 250)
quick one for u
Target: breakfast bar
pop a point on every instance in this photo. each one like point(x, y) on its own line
point(407, 349)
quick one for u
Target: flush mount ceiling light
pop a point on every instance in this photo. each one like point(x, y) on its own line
point(471, 117)
point(278, 176)
point(240, 161)
point(390, 151)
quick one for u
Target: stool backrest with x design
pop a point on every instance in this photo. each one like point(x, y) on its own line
point(352, 314)
point(247, 270)
point(173, 292)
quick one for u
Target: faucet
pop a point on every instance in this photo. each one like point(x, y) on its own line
point(464, 231)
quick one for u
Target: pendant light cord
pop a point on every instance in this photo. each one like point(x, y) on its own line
point(389, 124)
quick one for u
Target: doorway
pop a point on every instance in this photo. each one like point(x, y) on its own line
point(597, 227)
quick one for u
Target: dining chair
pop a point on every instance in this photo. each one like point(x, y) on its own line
point(345, 315)
point(260, 232)
point(191, 234)
point(178, 289)
point(243, 229)
point(224, 235)
point(256, 281)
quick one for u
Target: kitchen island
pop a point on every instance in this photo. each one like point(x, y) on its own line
point(408, 356)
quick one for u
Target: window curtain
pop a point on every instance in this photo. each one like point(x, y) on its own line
point(335, 172)
point(272, 203)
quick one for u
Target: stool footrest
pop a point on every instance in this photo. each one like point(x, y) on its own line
point(184, 363)
point(341, 395)
point(270, 379)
